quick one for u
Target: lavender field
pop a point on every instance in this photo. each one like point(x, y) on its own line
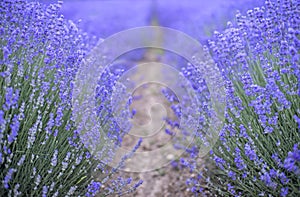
point(150, 98)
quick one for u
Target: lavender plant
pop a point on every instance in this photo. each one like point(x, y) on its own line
point(41, 152)
point(258, 152)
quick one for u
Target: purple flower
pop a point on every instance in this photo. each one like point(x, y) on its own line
point(292, 161)
point(21, 161)
point(54, 158)
point(45, 191)
point(283, 179)
point(8, 177)
point(6, 52)
point(232, 175)
point(184, 162)
point(14, 129)
point(140, 182)
point(169, 132)
point(93, 188)
point(297, 119)
point(266, 178)
point(239, 162)
point(230, 188)
point(250, 152)
point(277, 160)
point(273, 173)
point(2, 120)
point(129, 180)
point(284, 191)
point(243, 131)
point(11, 98)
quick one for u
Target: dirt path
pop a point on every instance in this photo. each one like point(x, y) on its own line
point(167, 180)
point(151, 108)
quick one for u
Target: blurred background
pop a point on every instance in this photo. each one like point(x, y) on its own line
point(198, 18)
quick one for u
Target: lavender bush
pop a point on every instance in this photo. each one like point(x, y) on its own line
point(258, 152)
point(41, 152)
